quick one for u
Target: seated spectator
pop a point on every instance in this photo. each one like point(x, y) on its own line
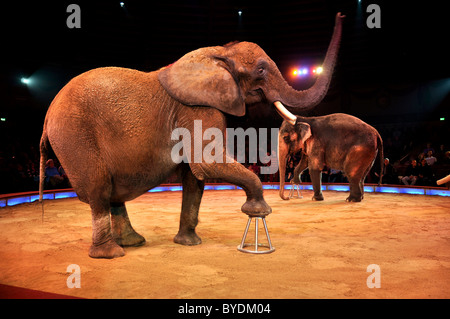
point(429, 148)
point(440, 153)
point(411, 174)
point(52, 176)
point(430, 158)
point(425, 177)
point(289, 171)
point(335, 176)
point(389, 173)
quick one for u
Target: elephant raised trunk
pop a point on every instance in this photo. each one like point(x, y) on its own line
point(314, 95)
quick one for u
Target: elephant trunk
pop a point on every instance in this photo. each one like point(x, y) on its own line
point(304, 100)
point(283, 151)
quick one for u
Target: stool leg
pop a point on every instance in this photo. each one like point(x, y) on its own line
point(246, 231)
point(256, 234)
point(267, 233)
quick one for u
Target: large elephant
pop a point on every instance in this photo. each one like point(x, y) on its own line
point(338, 141)
point(111, 130)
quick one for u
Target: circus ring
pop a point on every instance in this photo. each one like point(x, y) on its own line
point(323, 249)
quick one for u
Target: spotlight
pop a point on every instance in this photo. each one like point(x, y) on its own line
point(295, 72)
point(25, 81)
point(240, 13)
point(122, 4)
point(319, 70)
point(304, 71)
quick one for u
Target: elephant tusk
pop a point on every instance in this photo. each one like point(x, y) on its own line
point(288, 116)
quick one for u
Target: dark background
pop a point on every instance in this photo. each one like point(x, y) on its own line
point(396, 78)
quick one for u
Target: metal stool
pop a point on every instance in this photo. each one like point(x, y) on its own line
point(268, 247)
point(293, 188)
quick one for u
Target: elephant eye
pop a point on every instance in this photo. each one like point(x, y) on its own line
point(261, 70)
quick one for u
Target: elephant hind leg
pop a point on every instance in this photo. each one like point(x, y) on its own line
point(122, 231)
point(99, 190)
point(103, 245)
point(192, 197)
point(356, 182)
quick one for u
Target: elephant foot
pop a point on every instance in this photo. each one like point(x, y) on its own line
point(108, 250)
point(317, 197)
point(353, 198)
point(187, 238)
point(255, 208)
point(130, 239)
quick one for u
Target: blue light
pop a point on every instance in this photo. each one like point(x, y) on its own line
point(3, 203)
point(413, 191)
point(368, 189)
point(18, 200)
point(159, 189)
point(223, 187)
point(274, 186)
point(176, 188)
point(339, 188)
point(65, 195)
point(44, 196)
point(385, 189)
point(438, 192)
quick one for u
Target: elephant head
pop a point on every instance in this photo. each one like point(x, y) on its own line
point(228, 77)
point(291, 139)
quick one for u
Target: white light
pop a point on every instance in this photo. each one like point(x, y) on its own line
point(122, 4)
point(240, 13)
point(25, 80)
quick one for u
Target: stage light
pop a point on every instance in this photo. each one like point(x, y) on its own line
point(3, 119)
point(442, 119)
point(122, 4)
point(319, 70)
point(240, 13)
point(295, 72)
point(25, 81)
point(304, 71)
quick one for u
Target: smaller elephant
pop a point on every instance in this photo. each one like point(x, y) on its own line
point(338, 141)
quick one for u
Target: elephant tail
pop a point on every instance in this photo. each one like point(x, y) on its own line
point(381, 156)
point(44, 156)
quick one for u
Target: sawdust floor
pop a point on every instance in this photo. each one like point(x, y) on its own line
point(322, 249)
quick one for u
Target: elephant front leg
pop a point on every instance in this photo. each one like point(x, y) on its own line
point(301, 166)
point(316, 179)
point(122, 231)
point(192, 196)
point(238, 175)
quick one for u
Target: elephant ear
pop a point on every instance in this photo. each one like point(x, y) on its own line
point(204, 78)
point(304, 130)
